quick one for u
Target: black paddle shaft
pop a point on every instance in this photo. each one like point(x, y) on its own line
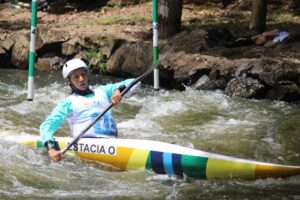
point(139, 79)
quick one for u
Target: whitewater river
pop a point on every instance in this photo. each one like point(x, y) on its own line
point(252, 129)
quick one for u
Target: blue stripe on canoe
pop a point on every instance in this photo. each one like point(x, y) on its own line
point(157, 162)
point(177, 166)
point(168, 165)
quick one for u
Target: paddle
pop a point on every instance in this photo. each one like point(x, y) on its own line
point(140, 78)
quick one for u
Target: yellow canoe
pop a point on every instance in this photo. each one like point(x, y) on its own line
point(171, 159)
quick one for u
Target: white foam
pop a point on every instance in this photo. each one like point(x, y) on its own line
point(17, 137)
point(24, 107)
point(43, 97)
point(139, 124)
point(160, 109)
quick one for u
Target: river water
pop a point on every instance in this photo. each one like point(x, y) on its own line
point(260, 130)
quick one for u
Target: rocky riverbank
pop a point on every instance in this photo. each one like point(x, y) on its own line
point(118, 42)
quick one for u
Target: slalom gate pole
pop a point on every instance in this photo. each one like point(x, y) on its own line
point(155, 43)
point(32, 50)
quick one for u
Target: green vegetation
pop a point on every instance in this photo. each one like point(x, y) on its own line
point(280, 17)
point(97, 61)
point(117, 19)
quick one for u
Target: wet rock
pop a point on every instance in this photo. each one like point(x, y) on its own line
point(8, 44)
point(243, 69)
point(116, 61)
point(3, 36)
point(91, 41)
point(284, 91)
point(71, 47)
point(106, 45)
point(270, 71)
point(49, 64)
point(288, 71)
point(180, 75)
point(43, 64)
point(4, 60)
point(214, 73)
point(263, 65)
point(196, 38)
point(56, 63)
point(204, 83)
point(20, 52)
point(188, 66)
point(130, 58)
point(49, 41)
point(219, 84)
point(109, 45)
point(244, 87)
point(268, 78)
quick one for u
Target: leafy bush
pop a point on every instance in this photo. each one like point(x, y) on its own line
point(96, 60)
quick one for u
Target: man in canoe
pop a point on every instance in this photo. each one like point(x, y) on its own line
point(82, 107)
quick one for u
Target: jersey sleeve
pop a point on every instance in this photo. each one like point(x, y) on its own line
point(55, 120)
point(110, 88)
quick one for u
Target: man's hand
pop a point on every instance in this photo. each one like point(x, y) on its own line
point(55, 155)
point(116, 97)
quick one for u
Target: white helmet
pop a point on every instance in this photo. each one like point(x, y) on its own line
point(71, 65)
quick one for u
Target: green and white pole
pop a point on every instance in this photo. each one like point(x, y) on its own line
point(155, 43)
point(32, 50)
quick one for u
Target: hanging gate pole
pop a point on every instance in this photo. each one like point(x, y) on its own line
point(155, 43)
point(32, 50)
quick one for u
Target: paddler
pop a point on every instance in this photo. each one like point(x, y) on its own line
point(82, 107)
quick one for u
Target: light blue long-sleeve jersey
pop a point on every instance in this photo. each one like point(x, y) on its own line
point(80, 111)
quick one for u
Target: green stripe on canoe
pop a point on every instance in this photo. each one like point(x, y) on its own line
point(148, 163)
point(39, 144)
point(194, 166)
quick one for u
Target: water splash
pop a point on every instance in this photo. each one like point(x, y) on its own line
point(255, 129)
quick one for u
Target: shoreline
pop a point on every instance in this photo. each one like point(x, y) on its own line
point(200, 59)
